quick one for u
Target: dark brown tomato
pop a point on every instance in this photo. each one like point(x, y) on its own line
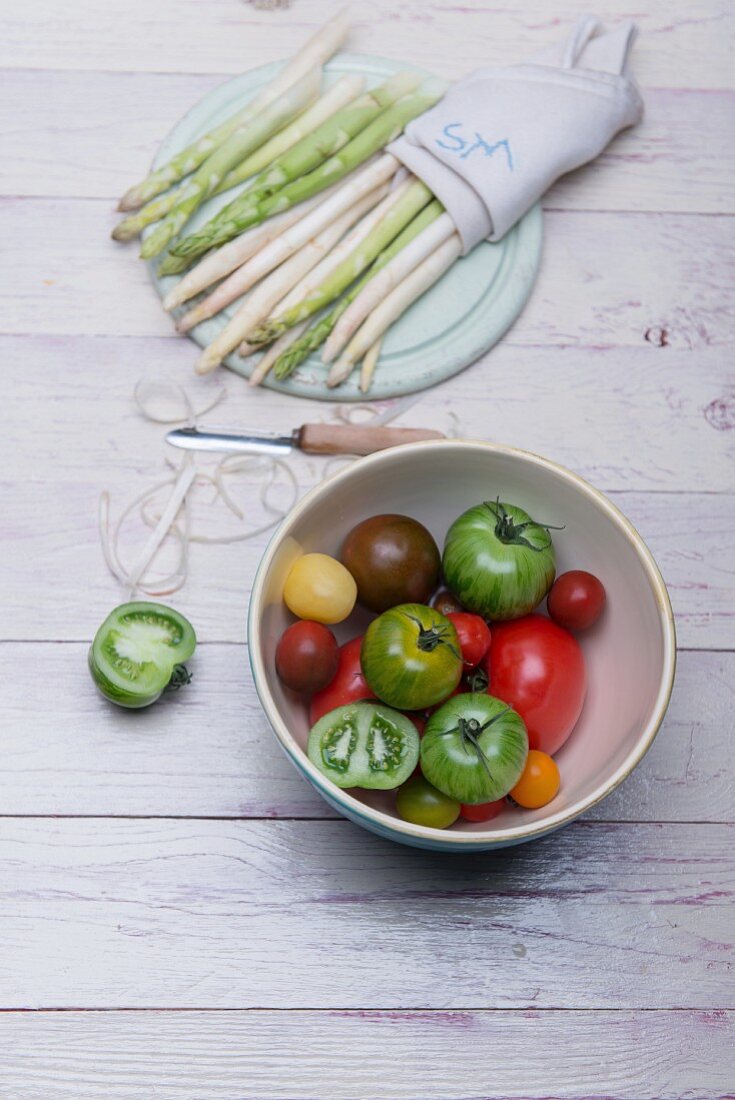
point(393, 559)
point(445, 602)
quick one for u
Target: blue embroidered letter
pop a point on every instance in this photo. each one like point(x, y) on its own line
point(453, 137)
point(480, 143)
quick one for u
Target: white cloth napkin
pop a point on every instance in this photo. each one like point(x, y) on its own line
point(500, 137)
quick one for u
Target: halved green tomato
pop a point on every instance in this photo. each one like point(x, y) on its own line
point(137, 651)
point(474, 748)
point(364, 745)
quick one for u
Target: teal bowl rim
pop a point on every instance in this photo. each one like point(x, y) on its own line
point(395, 828)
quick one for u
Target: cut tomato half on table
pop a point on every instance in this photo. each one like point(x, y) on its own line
point(136, 651)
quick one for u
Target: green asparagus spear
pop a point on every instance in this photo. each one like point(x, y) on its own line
point(231, 152)
point(378, 133)
point(338, 96)
point(396, 219)
point(316, 51)
point(318, 332)
point(324, 142)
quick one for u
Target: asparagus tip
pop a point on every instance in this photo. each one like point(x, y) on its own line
point(190, 320)
point(207, 363)
point(130, 200)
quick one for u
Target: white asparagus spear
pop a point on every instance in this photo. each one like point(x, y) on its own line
point(320, 47)
point(264, 297)
point(369, 363)
point(217, 265)
point(412, 287)
point(385, 281)
point(266, 261)
point(264, 364)
point(361, 184)
point(346, 246)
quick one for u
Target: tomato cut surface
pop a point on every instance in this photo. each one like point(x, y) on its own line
point(135, 652)
point(364, 745)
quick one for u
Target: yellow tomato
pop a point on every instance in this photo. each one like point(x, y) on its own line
point(320, 588)
point(539, 782)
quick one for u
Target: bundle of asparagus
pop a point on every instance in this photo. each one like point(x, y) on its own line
point(327, 241)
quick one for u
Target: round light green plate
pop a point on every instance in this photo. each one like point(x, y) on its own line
point(451, 326)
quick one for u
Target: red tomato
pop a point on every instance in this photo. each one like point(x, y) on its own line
point(483, 811)
point(474, 636)
point(538, 669)
point(576, 600)
point(348, 684)
point(307, 656)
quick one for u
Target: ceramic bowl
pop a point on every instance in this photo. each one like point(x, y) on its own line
point(630, 652)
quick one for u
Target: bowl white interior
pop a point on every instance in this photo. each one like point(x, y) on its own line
point(629, 654)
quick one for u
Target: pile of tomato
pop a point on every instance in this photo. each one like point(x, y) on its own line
point(460, 691)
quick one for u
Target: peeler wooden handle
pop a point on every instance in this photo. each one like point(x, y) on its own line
point(357, 439)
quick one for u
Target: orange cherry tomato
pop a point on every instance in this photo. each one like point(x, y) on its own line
point(539, 782)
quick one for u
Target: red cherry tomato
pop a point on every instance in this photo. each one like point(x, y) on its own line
point(348, 684)
point(307, 656)
point(474, 636)
point(483, 811)
point(538, 669)
point(576, 600)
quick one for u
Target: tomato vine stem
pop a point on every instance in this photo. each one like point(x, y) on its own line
point(511, 533)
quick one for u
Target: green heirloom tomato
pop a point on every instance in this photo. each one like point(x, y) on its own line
point(474, 748)
point(410, 656)
point(498, 561)
point(422, 804)
point(137, 653)
point(364, 745)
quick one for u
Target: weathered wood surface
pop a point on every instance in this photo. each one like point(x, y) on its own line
point(683, 43)
point(272, 914)
point(369, 1055)
point(208, 752)
point(653, 418)
point(653, 167)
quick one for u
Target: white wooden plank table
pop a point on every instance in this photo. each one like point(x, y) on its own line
point(180, 915)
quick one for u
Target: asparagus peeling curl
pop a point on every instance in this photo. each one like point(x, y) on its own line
point(412, 287)
point(377, 134)
point(320, 329)
point(231, 152)
point(319, 48)
point(346, 88)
